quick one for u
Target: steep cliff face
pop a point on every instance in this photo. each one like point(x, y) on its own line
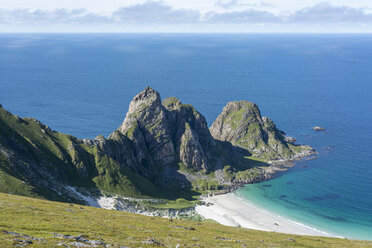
point(241, 124)
point(193, 142)
point(146, 125)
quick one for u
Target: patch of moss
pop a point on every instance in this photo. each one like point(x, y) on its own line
point(236, 118)
point(184, 168)
point(228, 172)
point(159, 134)
point(204, 185)
point(100, 137)
point(249, 175)
point(153, 126)
point(171, 102)
point(129, 132)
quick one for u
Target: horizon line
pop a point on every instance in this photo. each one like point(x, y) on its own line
point(198, 33)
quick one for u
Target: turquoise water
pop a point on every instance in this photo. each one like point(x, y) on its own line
point(82, 85)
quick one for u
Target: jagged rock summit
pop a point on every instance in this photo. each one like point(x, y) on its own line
point(166, 133)
point(147, 126)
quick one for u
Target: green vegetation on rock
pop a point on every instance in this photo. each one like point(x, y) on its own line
point(241, 124)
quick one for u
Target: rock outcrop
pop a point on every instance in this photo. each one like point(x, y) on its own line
point(193, 142)
point(241, 124)
point(317, 128)
point(146, 124)
point(167, 133)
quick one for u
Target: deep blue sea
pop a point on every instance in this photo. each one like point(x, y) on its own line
point(82, 85)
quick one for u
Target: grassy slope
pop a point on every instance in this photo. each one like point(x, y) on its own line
point(40, 218)
point(58, 151)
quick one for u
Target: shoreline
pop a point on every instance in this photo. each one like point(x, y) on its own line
point(231, 210)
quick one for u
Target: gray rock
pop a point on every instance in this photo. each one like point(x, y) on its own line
point(95, 242)
point(23, 236)
point(152, 242)
point(183, 227)
point(147, 126)
point(164, 133)
point(317, 128)
point(62, 244)
point(80, 244)
point(290, 139)
point(22, 242)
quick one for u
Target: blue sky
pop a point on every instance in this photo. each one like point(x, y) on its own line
point(186, 16)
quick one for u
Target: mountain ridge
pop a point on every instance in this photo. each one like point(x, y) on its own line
point(163, 149)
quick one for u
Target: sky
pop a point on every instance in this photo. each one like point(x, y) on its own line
point(189, 16)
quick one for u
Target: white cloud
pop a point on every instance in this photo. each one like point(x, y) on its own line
point(246, 16)
point(328, 13)
point(148, 14)
point(22, 16)
point(241, 4)
point(155, 12)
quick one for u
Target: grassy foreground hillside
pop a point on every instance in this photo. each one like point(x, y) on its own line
point(46, 223)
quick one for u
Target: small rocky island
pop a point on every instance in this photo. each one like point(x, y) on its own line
point(317, 128)
point(162, 150)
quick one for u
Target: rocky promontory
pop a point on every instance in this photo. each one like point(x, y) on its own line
point(162, 149)
point(241, 124)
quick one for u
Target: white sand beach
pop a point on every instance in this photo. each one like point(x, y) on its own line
point(230, 210)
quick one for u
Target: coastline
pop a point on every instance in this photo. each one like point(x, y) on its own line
point(231, 210)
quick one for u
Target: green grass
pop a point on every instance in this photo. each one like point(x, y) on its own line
point(171, 101)
point(13, 185)
point(258, 159)
point(236, 118)
point(41, 219)
point(184, 168)
point(250, 174)
point(176, 204)
point(205, 185)
point(131, 130)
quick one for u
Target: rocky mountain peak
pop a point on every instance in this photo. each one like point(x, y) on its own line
point(241, 124)
point(234, 120)
point(144, 99)
point(147, 126)
point(167, 132)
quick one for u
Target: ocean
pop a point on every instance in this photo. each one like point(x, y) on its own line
point(81, 84)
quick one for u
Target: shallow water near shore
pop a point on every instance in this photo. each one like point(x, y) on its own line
point(81, 84)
